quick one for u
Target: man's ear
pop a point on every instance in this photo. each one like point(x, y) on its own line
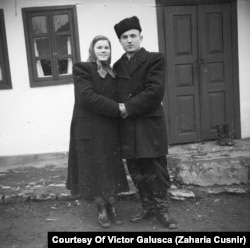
point(141, 37)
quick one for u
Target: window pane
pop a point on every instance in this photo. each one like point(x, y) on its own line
point(39, 25)
point(65, 66)
point(41, 46)
point(63, 45)
point(61, 23)
point(43, 67)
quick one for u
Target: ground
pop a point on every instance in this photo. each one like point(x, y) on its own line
point(35, 201)
point(27, 224)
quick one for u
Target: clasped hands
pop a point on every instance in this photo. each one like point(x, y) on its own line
point(123, 110)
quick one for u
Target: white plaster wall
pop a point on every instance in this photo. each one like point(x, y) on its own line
point(244, 64)
point(37, 120)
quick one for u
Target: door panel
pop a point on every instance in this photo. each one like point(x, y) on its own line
point(182, 77)
point(199, 71)
point(216, 71)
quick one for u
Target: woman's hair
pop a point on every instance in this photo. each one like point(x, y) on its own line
point(101, 37)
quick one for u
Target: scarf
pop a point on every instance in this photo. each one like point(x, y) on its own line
point(103, 67)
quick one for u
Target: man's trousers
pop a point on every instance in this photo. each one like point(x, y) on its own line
point(151, 178)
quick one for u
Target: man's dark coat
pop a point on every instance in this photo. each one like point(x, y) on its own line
point(141, 87)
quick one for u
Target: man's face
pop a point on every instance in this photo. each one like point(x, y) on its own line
point(131, 41)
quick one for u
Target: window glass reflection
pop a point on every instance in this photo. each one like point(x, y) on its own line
point(63, 45)
point(39, 25)
point(44, 68)
point(65, 66)
point(61, 23)
point(41, 46)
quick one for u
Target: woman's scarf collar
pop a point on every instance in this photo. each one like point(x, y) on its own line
point(103, 68)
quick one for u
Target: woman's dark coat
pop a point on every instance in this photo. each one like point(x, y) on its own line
point(141, 87)
point(95, 167)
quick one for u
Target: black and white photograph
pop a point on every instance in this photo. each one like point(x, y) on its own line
point(124, 122)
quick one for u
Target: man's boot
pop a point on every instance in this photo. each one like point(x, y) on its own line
point(229, 132)
point(162, 212)
point(221, 135)
point(147, 210)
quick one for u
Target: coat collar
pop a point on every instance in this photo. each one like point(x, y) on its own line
point(141, 55)
point(138, 59)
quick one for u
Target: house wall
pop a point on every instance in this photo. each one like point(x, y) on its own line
point(244, 64)
point(37, 120)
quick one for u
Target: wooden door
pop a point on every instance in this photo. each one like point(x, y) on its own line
point(199, 71)
point(215, 68)
point(182, 93)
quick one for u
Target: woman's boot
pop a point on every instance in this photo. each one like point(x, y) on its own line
point(221, 135)
point(112, 211)
point(102, 215)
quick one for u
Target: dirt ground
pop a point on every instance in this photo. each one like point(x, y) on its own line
point(27, 224)
point(26, 221)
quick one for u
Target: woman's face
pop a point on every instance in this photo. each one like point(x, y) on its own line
point(102, 50)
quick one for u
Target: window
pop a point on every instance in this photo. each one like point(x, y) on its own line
point(52, 44)
point(5, 81)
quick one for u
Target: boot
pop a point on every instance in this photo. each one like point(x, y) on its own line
point(144, 213)
point(167, 220)
point(162, 213)
point(229, 131)
point(102, 216)
point(221, 135)
point(147, 210)
point(113, 213)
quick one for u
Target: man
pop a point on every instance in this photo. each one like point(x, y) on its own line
point(141, 81)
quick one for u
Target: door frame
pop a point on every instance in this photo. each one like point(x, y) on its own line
point(234, 39)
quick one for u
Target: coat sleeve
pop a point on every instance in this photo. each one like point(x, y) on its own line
point(152, 93)
point(87, 97)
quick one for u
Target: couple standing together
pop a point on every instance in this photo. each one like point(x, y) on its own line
point(118, 114)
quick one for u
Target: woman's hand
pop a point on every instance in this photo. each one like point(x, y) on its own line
point(123, 110)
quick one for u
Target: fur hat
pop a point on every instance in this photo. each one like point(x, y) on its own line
point(127, 24)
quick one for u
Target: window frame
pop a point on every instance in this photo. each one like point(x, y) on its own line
point(49, 12)
point(5, 83)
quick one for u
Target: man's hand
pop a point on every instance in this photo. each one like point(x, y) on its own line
point(123, 110)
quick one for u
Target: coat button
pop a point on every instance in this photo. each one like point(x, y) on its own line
point(129, 95)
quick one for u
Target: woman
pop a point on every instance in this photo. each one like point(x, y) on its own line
point(95, 168)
